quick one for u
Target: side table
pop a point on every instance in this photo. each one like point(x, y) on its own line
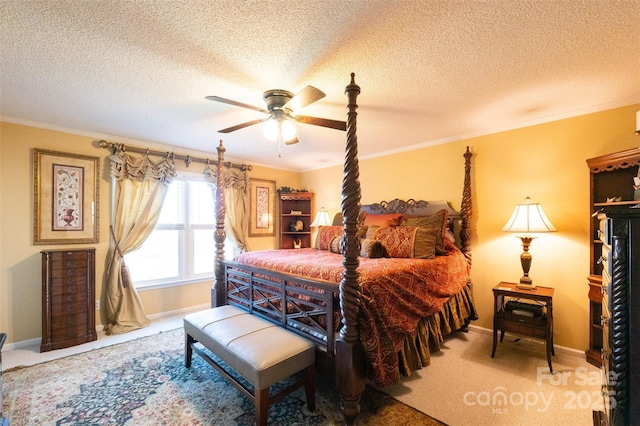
point(540, 327)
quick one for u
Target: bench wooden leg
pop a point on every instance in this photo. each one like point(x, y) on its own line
point(188, 351)
point(262, 406)
point(310, 387)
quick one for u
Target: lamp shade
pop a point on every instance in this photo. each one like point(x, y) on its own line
point(322, 219)
point(529, 217)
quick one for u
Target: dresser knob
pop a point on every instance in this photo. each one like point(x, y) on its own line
point(69, 298)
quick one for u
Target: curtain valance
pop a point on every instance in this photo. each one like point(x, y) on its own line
point(125, 166)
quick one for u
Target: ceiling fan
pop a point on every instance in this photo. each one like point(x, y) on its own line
point(282, 105)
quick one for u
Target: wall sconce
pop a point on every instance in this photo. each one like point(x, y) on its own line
point(526, 218)
point(322, 219)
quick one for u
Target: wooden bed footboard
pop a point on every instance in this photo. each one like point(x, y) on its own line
point(303, 306)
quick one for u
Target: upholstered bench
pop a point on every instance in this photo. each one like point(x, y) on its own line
point(259, 351)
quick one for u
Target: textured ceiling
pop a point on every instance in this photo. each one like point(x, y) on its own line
point(430, 71)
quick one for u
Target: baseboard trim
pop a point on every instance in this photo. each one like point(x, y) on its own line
point(182, 311)
point(558, 349)
point(99, 328)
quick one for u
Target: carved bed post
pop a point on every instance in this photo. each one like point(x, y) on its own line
point(350, 357)
point(465, 209)
point(218, 291)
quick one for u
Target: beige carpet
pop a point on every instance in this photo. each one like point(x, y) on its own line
point(464, 385)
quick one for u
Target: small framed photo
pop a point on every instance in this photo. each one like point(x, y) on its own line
point(65, 198)
point(262, 207)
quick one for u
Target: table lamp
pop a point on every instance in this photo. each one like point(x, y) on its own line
point(527, 218)
point(321, 219)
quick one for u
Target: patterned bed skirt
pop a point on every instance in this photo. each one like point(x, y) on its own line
point(454, 315)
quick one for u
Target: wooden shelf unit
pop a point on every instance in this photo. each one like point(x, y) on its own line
point(302, 206)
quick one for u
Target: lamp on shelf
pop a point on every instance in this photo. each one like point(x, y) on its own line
point(322, 219)
point(526, 218)
point(638, 123)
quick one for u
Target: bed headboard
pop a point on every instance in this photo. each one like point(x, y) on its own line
point(411, 207)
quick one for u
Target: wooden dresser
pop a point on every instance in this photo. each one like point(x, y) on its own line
point(68, 294)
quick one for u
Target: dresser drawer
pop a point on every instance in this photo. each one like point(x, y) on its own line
point(61, 276)
point(66, 259)
point(68, 286)
point(67, 303)
point(64, 321)
point(69, 333)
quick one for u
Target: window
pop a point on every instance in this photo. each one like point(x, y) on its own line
point(181, 248)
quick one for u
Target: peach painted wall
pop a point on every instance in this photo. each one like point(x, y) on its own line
point(20, 259)
point(545, 162)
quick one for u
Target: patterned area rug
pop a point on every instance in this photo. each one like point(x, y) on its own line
point(144, 382)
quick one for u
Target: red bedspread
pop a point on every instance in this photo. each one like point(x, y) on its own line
point(396, 293)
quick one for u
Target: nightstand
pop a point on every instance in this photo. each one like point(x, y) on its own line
point(538, 326)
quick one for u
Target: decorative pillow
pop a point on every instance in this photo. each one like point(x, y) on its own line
point(325, 235)
point(408, 241)
point(334, 246)
point(438, 220)
point(362, 231)
point(371, 248)
point(393, 219)
point(371, 232)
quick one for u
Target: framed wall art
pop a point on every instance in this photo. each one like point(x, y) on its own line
point(262, 207)
point(65, 198)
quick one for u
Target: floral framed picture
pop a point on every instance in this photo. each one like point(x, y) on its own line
point(65, 188)
point(262, 207)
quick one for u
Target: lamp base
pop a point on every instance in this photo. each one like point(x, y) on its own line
point(526, 283)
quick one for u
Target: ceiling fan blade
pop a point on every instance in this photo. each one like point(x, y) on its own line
point(236, 103)
point(292, 141)
point(324, 122)
point(242, 126)
point(305, 97)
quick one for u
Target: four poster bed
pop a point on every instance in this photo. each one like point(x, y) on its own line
point(376, 294)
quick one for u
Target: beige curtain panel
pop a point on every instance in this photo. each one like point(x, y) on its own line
point(140, 187)
point(236, 222)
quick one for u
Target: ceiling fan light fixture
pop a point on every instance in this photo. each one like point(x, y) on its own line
point(280, 130)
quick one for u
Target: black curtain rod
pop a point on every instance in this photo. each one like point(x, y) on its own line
point(188, 159)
